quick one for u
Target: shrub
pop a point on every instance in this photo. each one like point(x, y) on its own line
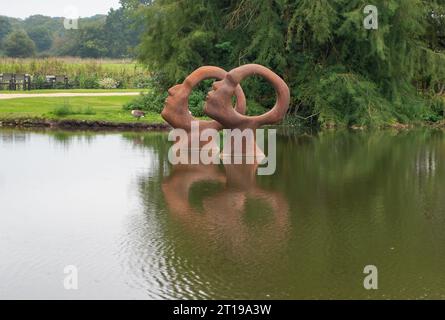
point(66, 110)
point(39, 82)
point(254, 108)
point(153, 101)
point(108, 83)
point(63, 110)
point(87, 111)
point(196, 103)
point(141, 82)
point(88, 82)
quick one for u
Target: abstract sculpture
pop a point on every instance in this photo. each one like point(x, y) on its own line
point(218, 99)
point(176, 111)
point(218, 104)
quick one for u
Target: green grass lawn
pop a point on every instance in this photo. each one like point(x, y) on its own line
point(83, 108)
point(71, 91)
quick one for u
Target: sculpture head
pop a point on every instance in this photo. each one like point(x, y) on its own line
point(218, 99)
point(176, 111)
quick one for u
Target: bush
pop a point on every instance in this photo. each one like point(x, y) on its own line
point(254, 108)
point(88, 82)
point(63, 110)
point(108, 83)
point(87, 111)
point(141, 82)
point(66, 110)
point(196, 103)
point(153, 101)
point(39, 82)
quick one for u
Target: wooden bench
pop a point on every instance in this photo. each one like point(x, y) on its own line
point(7, 79)
point(13, 81)
point(58, 79)
point(23, 80)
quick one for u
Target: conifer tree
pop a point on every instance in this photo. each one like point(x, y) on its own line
point(339, 72)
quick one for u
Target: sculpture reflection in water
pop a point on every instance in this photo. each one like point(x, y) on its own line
point(227, 208)
point(242, 139)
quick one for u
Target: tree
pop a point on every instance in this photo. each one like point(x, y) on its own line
point(41, 37)
point(339, 72)
point(134, 4)
point(181, 36)
point(121, 32)
point(5, 27)
point(19, 44)
point(91, 41)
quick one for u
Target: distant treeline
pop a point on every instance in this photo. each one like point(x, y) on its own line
point(114, 35)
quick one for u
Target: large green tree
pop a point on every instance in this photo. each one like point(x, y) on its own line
point(5, 27)
point(339, 72)
point(19, 44)
point(42, 37)
point(122, 34)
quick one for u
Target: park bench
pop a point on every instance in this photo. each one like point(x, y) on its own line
point(23, 80)
point(7, 80)
point(12, 81)
point(57, 80)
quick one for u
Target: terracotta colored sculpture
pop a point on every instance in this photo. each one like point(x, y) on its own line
point(176, 111)
point(218, 100)
point(219, 107)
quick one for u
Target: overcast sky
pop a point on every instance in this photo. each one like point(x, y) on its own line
point(55, 8)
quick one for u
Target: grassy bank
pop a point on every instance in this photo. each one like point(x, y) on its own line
point(107, 109)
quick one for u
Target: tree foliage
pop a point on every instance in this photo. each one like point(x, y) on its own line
point(18, 44)
point(339, 72)
point(41, 37)
point(5, 27)
point(114, 35)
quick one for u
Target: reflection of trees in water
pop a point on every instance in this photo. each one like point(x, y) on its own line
point(374, 165)
point(362, 193)
point(60, 137)
point(67, 138)
point(8, 136)
point(429, 166)
point(156, 142)
point(353, 198)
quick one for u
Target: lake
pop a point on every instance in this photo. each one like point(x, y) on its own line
point(137, 228)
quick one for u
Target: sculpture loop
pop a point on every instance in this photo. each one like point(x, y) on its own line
point(218, 99)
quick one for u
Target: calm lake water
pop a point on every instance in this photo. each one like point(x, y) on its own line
point(137, 228)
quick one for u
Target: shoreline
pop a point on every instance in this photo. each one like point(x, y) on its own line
point(96, 125)
point(104, 125)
